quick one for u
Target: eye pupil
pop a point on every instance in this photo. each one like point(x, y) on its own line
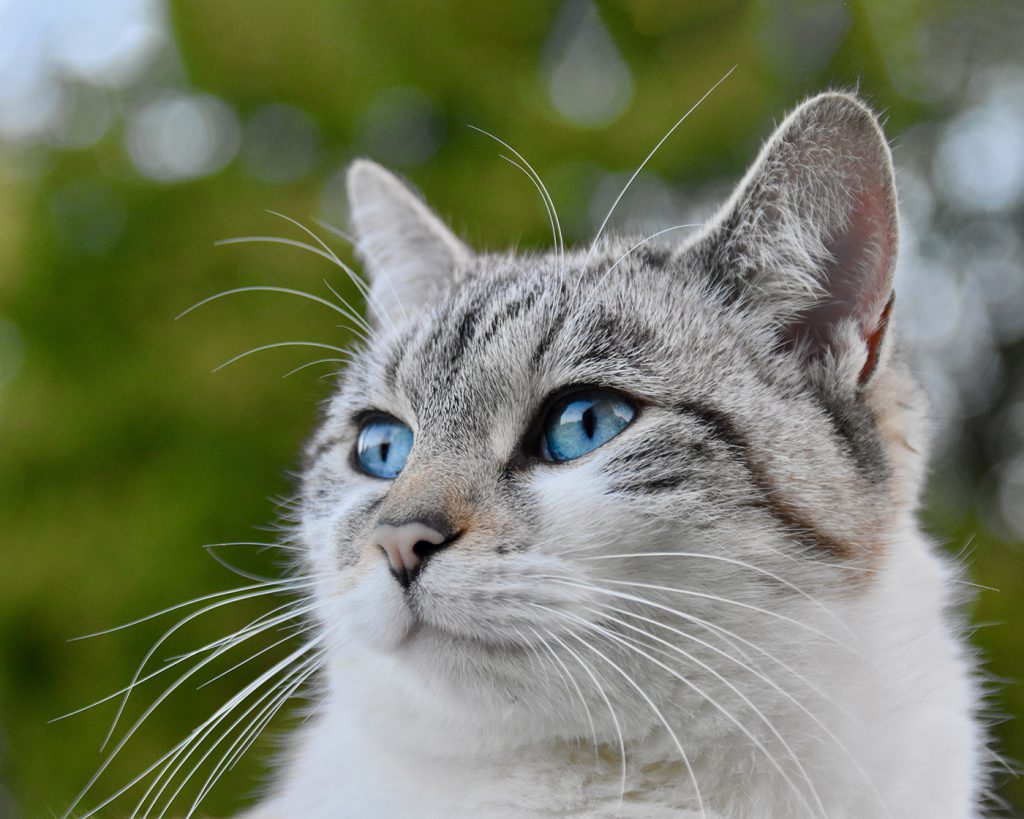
point(589, 422)
point(384, 448)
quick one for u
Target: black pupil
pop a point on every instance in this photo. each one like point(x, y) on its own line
point(589, 421)
point(384, 447)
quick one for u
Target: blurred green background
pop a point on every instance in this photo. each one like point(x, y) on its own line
point(133, 135)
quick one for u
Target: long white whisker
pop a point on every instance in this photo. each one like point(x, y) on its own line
point(647, 159)
point(266, 288)
point(324, 251)
point(349, 311)
point(596, 289)
point(273, 240)
point(739, 603)
point(170, 664)
point(643, 695)
point(168, 774)
point(575, 685)
point(760, 676)
point(249, 659)
point(153, 706)
point(163, 638)
point(608, 704)
point(177, 606)
point(314, 363)
point(245, 740)
point(718, 630)
point(541, 187)
point(724, 711)
point(279, 344)
point(547, 207)
point(371, 300)
point(741, 564)
point(177, 761)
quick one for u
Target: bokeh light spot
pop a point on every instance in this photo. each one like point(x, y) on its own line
point(403, 126)
point(588, 81)
point(282, 144)
point(179, 137)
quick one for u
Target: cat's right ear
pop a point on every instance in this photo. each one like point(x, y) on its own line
point(409, 253)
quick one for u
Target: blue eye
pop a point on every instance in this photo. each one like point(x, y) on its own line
point(383, 447)
point(582, 421)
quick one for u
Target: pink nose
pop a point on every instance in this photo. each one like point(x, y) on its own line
point(408, 546)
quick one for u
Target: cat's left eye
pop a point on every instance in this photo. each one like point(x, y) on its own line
point(582, 421)
point(383, 446)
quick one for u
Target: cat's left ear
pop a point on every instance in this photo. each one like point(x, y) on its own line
point(409, 253)
point(811, 233)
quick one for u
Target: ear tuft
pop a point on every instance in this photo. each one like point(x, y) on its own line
point(410, 254)
point(811, 233)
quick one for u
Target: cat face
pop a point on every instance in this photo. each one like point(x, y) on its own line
point(544, 468)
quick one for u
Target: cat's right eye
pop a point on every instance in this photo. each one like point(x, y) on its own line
point(383, 446)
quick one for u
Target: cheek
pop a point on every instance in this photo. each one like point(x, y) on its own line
point(576, 508)
point(336, 537)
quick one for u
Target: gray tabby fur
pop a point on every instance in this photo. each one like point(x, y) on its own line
point(754, 528)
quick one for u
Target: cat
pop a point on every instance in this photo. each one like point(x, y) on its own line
point(630, 530)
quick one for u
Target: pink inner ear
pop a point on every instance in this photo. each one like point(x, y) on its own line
point(873, 220)
point(858, 277)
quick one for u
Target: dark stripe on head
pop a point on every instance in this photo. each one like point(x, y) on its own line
point(856, 427)
point(511, 311)
point(773, 501)
point(549, 337)
point(321, 449)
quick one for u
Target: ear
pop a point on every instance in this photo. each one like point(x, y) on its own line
point(811, 233)
point(408, 251)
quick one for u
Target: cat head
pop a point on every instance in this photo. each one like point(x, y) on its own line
point(544, 468)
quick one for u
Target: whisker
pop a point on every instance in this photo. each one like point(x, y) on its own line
point(721, 630)
point(575, 685)
point(541, 188)
point(596, 289)
point(547, 207)
point(210, 549)
point(249, 659)
point(246, 739)
point(739, 603)
point(159, 700)
point(266, 288)
point(164, 637)
point(314, 363)
point(868, 780)
point(168, 774)
point(720, 708)
point(647, 159)
point(643, 695)
point(175, 607)
point(360, 284)
point(263, 347)
point(170, 664)
point(743, 565)
point(592, 674)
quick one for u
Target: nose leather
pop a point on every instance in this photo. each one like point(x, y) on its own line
point(407, 547)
